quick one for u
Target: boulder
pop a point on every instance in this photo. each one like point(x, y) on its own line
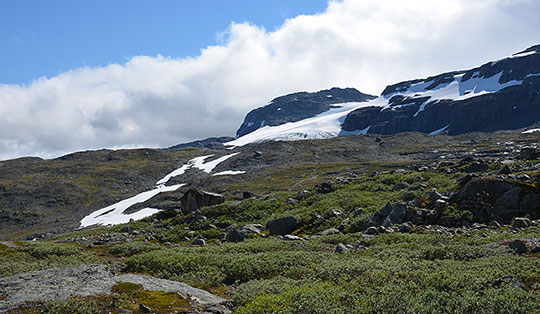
point(282, 226)
point(396, 216)
point(253, 228)
point(236, 236)
point(518, 247)
point(528, 153)
point(324, 187)
point(521, 222)
point(477, 167)
point(194, 199)
point(329, 232)
point(341, 248)
point(505, 170)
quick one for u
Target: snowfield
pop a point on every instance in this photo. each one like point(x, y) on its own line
point(114, 214)
point(328, 124)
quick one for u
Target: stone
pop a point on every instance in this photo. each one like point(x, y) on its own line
point(290, 237)
point(505, 170)
point(535, 249)
point(396, 216)
point(246, 195)
point(253, 228)
point(292, 201)
point(329, 232)
point(144, 309)
point(406, 227)
point(343, 225)
point(122, 311)
point(324, 187)
point(508, 280)
point(282, 226)
point(236, 236)
point(447, 221)
point(439, 204)
point(334, 213)
point(528, 153)
point(341, 248)
point(302, 195)
point(400, 186)
point(85, 280)
point(372, 230)
point(521, 222)
point(200, 242)
point(476, 167)
point(518, 247)
point(194, 199)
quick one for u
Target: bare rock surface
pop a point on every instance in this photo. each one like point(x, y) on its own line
point(85, 280)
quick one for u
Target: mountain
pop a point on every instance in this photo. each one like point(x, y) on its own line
point(499, 95)
point(298, 106)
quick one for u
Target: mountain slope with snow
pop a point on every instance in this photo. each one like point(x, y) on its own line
point(499, 95)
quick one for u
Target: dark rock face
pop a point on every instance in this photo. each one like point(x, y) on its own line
point(495, 199)
point(282, 226)
point(210, 143)
point(298, 106)
point(194, 199)
point(510, 108)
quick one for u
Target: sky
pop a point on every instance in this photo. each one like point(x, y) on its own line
point(79, 75)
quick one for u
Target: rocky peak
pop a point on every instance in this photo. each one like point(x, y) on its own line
point(298, 106)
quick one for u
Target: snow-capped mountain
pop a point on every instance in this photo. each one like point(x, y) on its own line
point(499, 95)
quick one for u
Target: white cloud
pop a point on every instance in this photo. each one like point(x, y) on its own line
point(160, 101)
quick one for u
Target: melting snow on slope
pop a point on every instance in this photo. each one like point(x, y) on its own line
point(114, 214)
point(436, 132)
point(455, 90)
point(228, 172)
point(530, 131)
point(324, 125)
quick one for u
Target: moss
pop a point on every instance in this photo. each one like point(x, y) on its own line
point(157, 301)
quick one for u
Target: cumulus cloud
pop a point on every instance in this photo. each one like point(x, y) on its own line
point(160, 101)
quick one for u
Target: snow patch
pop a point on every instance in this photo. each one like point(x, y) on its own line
point(228, 172)
point(436, 132)
point(530, 131)
point(324, 125)
point(114, 214)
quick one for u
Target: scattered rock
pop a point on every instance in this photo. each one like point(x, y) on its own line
point(518, 247)
point(324, 187)
point(290, 237)
point(292, 201)
point(200, 242)
point(144, 309)
point(371, 230)
point(521, 222)
point(505, 170)
point(85, 280)
point(508, 280)
point(253, 228)
point(400, 186)
point(282, 226)
point(302, 195)
point(236, 236)
point(477, 167)
point(246, 195)
point(406, 227)
point(330, 232)
point(341, 248)
point(194, 199)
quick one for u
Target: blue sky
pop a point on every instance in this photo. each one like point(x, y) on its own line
point(46, 38)
point(78, 75)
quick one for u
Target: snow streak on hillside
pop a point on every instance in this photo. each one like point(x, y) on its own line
point(114, 214)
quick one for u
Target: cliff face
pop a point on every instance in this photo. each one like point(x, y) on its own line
point(499, 95)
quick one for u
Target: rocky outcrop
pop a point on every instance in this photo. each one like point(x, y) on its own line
point(86, 280)
point(513, 107)
point(298, 106)
point(210, 143)
point(498, 199)
point(194, 199)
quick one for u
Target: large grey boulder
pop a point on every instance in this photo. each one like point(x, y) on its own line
point(282, 226)
point(85, 280)
point(194, 199)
